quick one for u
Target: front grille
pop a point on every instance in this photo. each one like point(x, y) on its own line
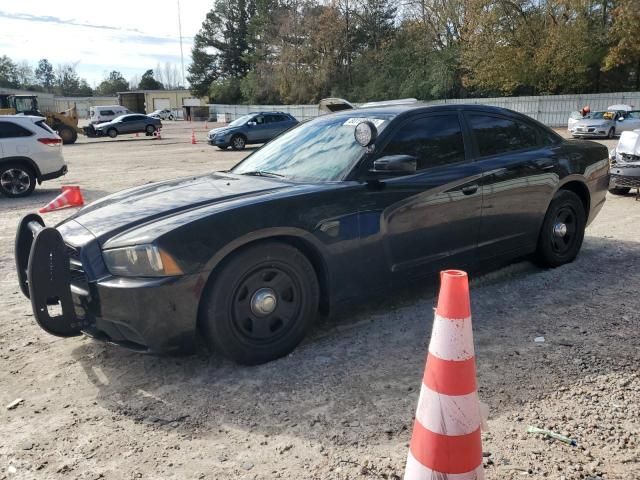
point(624, 181)
point(78, 276)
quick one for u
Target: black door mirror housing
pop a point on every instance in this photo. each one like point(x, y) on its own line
point(395, 165)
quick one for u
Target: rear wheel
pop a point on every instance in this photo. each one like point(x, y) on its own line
point(16, 180)
point(112, 132)
point(562, 230)
point(619, 190)
point(67, 134)
point(238, 142)
point(261, 303)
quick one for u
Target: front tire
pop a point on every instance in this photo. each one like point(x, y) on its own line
point(68, 135)
point(619, 190)
point(150, 129)
point(112, 132)
point(260, 304)
point(562, 231)
point(238, 142)
point(16, 180)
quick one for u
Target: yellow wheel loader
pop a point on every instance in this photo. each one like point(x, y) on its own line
point(65, 123)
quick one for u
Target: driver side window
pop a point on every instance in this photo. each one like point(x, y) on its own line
point(435, 140)
point(259, 119)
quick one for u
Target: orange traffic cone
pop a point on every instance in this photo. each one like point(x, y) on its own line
point(159, 134)
point(71, 196)
point(446, 434)
point(193, 137)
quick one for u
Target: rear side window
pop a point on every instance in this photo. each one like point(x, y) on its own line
point(107, 112)
point(11, 130)
point(496, 135)
point(44, 126)
point(434, 141)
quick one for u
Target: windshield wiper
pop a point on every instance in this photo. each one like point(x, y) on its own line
point(262, 173)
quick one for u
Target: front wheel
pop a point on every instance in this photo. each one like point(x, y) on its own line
point(150, 129)
point(562, 231)
point(238, 142)
point(260, 304)
point(619, 190)
point(112, 132)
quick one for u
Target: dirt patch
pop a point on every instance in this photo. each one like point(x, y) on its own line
point(341, 406)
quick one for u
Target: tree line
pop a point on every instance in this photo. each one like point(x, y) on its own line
point(64, 80)
point(298, 51)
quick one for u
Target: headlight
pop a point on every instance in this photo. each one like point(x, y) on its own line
point(140, 261)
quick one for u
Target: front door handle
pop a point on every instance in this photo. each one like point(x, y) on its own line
point(545, 164)
point(470, 189)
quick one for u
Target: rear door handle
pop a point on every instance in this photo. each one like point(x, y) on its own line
point(470, 189)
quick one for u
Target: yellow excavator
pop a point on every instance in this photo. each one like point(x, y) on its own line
point(65, 123)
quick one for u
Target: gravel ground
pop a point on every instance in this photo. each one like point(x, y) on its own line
point(341, 406)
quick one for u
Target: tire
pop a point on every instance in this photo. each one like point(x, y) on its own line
point(620, 190)
point(68, 135)
point(170, 117)
point(611, 133)
point(112, 132)
point(238, 142)
point(149, 129)
point(231, 320)
point(556, 248)
point(16, 180)
point(223, 148)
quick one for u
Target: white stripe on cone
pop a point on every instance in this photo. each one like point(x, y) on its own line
point(451, 339)
point(416, 471)
point(448, 415)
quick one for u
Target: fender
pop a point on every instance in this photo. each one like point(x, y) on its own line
point(26, 160)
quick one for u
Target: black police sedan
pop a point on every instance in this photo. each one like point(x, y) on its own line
point(344, 205)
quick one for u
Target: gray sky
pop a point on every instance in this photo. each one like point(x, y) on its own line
point(125, 35)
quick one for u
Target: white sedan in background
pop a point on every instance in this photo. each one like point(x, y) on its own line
point(164, 114)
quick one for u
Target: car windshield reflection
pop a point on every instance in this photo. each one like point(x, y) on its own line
point(322, 150)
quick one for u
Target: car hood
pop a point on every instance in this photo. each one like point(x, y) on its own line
point(593, 122)
point(100, 125)
point(221, 130)
point(124, 210)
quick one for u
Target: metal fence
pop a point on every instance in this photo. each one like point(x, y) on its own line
point(552, 110)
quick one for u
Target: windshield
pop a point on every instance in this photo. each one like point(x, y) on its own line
point(323, 149)
point(600, 116)
point(240, 121)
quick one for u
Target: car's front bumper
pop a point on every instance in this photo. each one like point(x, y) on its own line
point(625, 176)
point(219, 141)
point(594, 132)
point(145, 314)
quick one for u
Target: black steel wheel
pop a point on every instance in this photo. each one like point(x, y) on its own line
point(16, 180)
point(562, 231)
point(260, 304)
point(620, 190)
point(238, 142)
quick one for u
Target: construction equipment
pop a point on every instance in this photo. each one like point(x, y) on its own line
point(65, 123)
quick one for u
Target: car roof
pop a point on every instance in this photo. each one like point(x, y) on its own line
point(402, 109)
point(27, 118)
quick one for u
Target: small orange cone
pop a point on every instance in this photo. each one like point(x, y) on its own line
point(71, 196)
point(446, 439)
point(193, 137)
point(159, 135)
point(137, 134)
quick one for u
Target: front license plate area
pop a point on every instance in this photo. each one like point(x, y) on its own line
point(49, 282)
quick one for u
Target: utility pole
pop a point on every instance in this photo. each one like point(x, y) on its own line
point(184, 84)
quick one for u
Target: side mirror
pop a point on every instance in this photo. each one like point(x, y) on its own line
point(620, 119)
point(395, 165)
point(251, 124)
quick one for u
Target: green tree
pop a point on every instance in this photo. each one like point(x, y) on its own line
point(8, 73)
point(113, 84)
point(625, 38)
point(44, 75)
point(148, 82)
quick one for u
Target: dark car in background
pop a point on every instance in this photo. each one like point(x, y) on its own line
point(343, 206)
point(257, 127)
point(131, 123)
